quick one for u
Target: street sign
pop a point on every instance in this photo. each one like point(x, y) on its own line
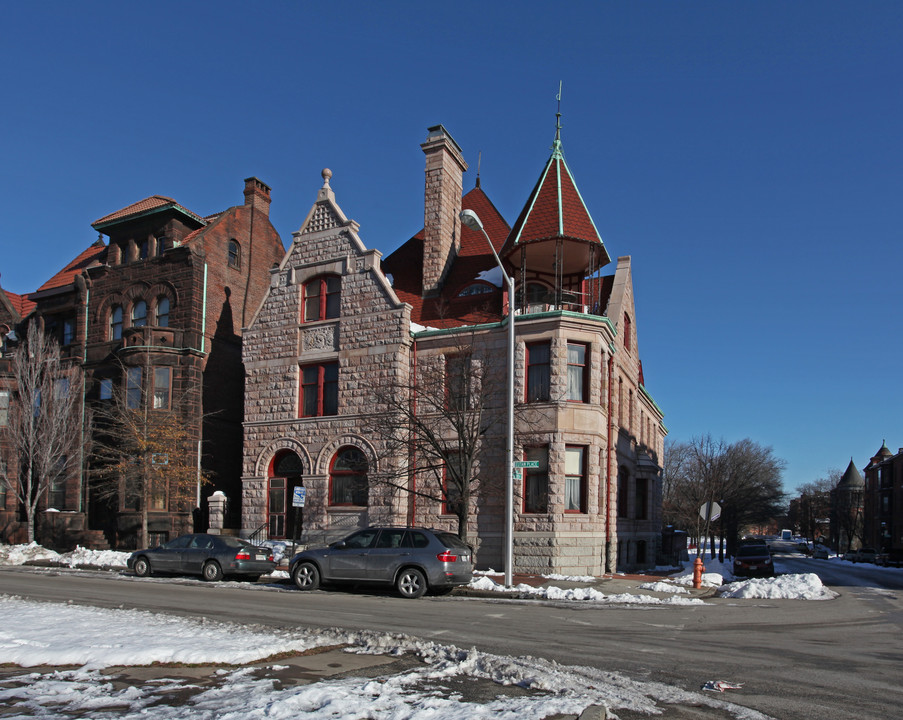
point(710, 511)
point(160, 459)
point(526, 464)
point(299, 496)
point(517, 474)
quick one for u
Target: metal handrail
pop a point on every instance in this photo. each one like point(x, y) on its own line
point(255, 536)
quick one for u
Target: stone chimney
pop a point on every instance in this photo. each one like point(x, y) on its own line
point(257, 195)
point(445, 167)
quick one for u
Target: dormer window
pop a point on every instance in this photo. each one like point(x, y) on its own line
point(322, 298)
point(477, 288)
point(234, 257)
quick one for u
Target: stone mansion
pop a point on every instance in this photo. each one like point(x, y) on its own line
point(347, 346)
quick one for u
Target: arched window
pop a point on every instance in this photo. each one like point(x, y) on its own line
point(322, 298)
point(348, 478)
point(116, 322)
point(139, 314)
point(234, 254)
point(162, 312)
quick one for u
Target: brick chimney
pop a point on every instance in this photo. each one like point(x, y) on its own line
point(445, 167)
point(257, 195)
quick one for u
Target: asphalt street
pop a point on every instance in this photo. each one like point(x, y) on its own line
point(796, 659)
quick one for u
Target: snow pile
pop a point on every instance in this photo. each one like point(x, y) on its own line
point(665, 587)
point(805, 586)
point(80, 557)
point(21, 554)
point(55, 634)
point(582, 594)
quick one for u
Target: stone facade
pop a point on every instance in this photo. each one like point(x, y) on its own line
point(597, 429)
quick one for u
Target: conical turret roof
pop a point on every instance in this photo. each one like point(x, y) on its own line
point(852, 478)
point(555, 209)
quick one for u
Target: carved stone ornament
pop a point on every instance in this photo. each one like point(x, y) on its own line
point(320, 338)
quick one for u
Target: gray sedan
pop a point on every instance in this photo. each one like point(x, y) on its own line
point(210, 556)
point(413, 560)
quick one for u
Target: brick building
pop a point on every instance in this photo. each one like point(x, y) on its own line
point(160, 308)
point(883, 502)
point(339, 323)
point(14, 312)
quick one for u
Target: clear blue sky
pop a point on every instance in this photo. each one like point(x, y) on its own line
point(747, 155)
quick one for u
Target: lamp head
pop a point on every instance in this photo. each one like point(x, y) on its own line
point(471, 220)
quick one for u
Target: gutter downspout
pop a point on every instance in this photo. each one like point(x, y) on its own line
point(612, 464)
point(201, 400)
point(412, 455)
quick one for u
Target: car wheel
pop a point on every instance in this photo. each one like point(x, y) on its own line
point(411, 583)
point(306, 576)
point(142, 567)
point(212, 571)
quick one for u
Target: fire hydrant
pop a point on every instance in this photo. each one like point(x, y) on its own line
point(698, 570)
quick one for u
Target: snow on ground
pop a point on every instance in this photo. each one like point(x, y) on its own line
point(591, 594)
point(50, 634)
point(805, 586)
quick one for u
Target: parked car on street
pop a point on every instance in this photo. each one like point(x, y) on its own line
point(210, 556)
point(753, 560)
point(820, 552)
point(891, 558)
point(413, 560)
point(866, 555)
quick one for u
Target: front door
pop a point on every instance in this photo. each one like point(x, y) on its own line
point(283, 520)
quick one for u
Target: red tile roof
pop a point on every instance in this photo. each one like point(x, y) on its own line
point(150, 204)
point(554, 209)
point(21, 304)
point(448, 310)
point(95, 254)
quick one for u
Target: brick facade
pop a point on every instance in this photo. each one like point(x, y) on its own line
point(171, 289)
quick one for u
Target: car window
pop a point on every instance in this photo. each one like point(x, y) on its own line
point(390, 539)
point(180, 542)
point(418, 539)
point(452, 541)
point(362, 539)
point(752, 551)
point(198, 541)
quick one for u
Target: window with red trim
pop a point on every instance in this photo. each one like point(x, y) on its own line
point(539, 378)
point(348, 478)
point(319, 390)
point(536, 480)
point(578, 363)
point(574, 479)
point(322, 298)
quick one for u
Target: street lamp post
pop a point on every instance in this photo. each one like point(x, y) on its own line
point(472, 221)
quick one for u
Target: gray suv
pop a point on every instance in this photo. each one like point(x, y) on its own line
point(414, 560)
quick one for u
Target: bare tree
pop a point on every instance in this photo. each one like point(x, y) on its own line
point(743, 477)
point(812, 507)
point(42, 442)
point(437, 421)
point(144, 456)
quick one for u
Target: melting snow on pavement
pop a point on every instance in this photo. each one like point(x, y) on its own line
point(94, 638)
